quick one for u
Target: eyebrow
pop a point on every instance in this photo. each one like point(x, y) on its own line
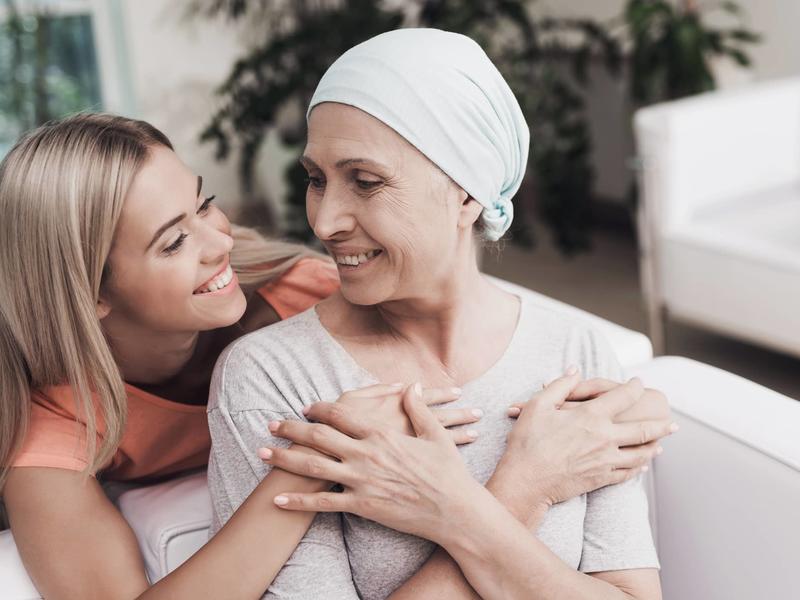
point(345, 162)
point(175, 220)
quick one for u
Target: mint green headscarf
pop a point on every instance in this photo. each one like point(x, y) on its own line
point(440, 92)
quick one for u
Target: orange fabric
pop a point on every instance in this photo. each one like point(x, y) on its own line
point(162, 437)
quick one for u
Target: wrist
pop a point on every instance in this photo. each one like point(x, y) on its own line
point(521, 498)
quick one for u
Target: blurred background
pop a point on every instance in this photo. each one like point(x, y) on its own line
point(228, 81)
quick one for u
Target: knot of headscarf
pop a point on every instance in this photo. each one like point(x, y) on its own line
point(441, 93)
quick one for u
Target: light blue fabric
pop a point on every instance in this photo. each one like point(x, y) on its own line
point(440, 92)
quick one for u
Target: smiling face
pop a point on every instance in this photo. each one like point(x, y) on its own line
point(395, 224)
point(169, 262)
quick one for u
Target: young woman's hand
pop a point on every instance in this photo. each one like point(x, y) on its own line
point(558, 450)
point(413, 483)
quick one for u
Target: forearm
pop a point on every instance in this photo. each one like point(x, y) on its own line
point(243, 558)
point(441, 575)
point(501, 558)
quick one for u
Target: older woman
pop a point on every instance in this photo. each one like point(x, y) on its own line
point(416, 146)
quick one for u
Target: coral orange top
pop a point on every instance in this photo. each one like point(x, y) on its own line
point(162, 437)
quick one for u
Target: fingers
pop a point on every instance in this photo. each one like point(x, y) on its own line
point(306, 464)
point(623, 475)
point(317, 502)
point(341, 417)
point(314, 435)
point(371, 391)
point(591, 388)
point(618, 399)
point(434, 396)
point(463, 436)
point(637, 457)
point(448, 417)
point(557, 392)
point(642, 432)
point(422, 420)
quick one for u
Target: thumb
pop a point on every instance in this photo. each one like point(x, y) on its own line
point(422, 420)
point(558, 391)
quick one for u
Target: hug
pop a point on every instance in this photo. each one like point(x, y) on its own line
point(378, 421)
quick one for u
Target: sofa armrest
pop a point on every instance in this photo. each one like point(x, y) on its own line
point(727, 487)
point(717, 146)
point(14, 581)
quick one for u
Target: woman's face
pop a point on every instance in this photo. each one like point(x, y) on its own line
point(169, 261)
point(395, 224)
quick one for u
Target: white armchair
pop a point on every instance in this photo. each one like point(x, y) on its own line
point(724, 496)
point(719, 213)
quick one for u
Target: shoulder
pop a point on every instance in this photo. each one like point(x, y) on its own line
point(265, 363)
point(301, 286)
point(573, 339)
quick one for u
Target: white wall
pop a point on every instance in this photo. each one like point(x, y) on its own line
point(777, 56)
point(176, 65)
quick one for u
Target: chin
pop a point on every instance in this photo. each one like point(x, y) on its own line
point(363, 295)
point(227, 315)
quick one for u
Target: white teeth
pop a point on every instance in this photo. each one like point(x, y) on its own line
point(219, 282)
point(356, 259)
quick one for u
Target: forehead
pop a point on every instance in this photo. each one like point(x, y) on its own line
point(160, 191)
point(337, 131)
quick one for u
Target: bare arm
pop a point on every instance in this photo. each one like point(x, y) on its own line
point(76, 544)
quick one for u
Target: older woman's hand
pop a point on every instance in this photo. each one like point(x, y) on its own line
point(413, 483)
point(560, 448)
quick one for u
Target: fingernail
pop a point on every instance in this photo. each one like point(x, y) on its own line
point(472, 433)
point(514, 411)
point(571, 370)
point(264, 453)
point(273, 426)
point(281, 500)
point(306, 409)
point(645, 468)
point(674, 427)
point(659, 450)
point(417, 389)
point(477, 413)
point(456, 391)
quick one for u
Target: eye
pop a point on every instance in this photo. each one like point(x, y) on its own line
point(316, 183)
point(176, 245)
point(205, 205)
point(367, 184)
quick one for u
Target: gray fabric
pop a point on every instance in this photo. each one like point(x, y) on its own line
point(274, 372)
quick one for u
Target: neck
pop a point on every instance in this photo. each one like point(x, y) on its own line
point(151, 358)
point(447, 319)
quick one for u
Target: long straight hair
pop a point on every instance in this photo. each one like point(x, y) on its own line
point(62, 188)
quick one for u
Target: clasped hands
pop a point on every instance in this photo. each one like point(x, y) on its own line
point(399, 465)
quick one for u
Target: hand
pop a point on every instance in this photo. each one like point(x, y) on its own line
point(411, 483)
point(554, 455)
point(384, 404)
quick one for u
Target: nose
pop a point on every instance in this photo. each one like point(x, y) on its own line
point(330, 216)
point(215, 243)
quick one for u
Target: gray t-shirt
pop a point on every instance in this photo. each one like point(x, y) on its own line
point(274, 372)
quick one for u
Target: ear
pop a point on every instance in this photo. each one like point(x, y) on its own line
point(102, 309)
point(469, 211)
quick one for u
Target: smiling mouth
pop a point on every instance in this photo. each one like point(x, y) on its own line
point(353, 261)
point(219, 282)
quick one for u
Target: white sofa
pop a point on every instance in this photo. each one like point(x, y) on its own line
point(724, 495)
point(719, 213)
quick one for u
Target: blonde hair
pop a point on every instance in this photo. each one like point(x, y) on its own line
point(62, 188)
